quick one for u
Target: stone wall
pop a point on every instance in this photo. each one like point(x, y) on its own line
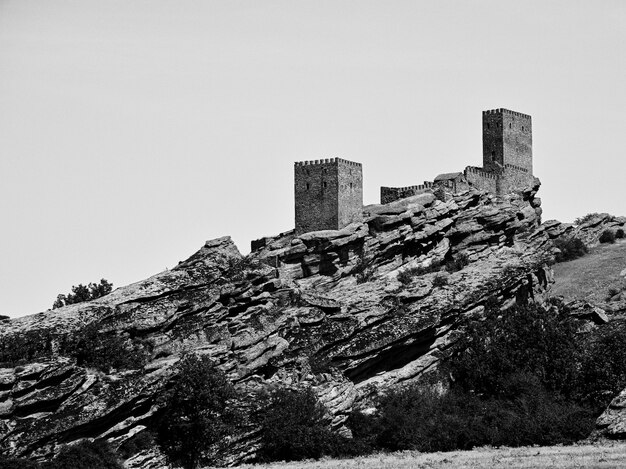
point(389, 194)
point(328, 194)
point(350, 192)
point(493, 148)
point(481, 179)
point(507, 139)
point(517, 140)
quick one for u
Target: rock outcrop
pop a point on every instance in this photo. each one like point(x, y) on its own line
point(347, 312)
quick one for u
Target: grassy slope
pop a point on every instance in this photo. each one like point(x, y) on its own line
point(558, 457)
point(590, 277)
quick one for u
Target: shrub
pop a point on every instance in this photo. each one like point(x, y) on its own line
point(619, 234)
point(603, 368)
point(197, 416)
point(405, 277)
point(454, 265)
point(607, 236)
point(17, 463)
point(137, 443)
point(105, 351)
point(293, 428)
point(25, 347)
point(440, 281)
point(522, 340)
point(4, 317)
point(586, 218)
point(81, 293)
point(570, 248)
point(86, 455)
point(424, 420)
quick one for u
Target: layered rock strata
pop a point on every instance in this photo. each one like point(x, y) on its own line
point(347, 312)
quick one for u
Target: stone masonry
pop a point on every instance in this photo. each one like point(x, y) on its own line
point(507, 160)
point(328, 194)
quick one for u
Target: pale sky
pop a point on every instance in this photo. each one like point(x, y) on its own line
point(132, 131)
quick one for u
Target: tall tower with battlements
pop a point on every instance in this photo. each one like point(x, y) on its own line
point(507, 141)
point(328, 194)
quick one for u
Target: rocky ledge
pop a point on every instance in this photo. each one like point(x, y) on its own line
point(347, 312)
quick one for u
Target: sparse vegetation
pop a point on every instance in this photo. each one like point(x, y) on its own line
point(457, 263)
point(294, 428)
point(586, 218)
point(570, 248)
point(440, 281)
point(81, 293)
point(619, 233)
point(197, 416)
point(607, 236)
point(522, 377)
point(106, 350)
point(84, 455)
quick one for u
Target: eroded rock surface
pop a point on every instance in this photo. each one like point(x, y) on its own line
point(325, 309)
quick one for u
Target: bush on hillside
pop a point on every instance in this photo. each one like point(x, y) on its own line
point(106, 350)
point(420, 419)
point(293, 428)
point(570, 248)
point(607, 236)
point(86, 455)
point(458, 262)
point(17, 463)
point(521, 377)
point(619, 233)
point(81, 293)
point(603, 368)
point(586, 218)
point(198, 416)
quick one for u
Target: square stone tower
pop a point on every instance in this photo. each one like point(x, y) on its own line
point(328, 194)
point(507, 140)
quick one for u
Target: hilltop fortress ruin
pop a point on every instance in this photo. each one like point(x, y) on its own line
point(329, 192)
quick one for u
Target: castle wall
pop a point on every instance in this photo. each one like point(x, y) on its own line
point(481, 180)
point(390, 194)
point(350, 180)
point(515, 178)
point(328, 194)
point(493, 143)
point(507, 139)
point(517, 139)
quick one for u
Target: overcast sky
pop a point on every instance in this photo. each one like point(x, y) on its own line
point(132, 131)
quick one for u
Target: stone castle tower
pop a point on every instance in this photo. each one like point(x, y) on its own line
point(507, 140)
point(328, 194)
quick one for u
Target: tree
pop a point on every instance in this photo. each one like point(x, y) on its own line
point(293, 428)
point(197, 415)
point(81, 293)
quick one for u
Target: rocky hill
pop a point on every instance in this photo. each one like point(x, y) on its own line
point(346, 312)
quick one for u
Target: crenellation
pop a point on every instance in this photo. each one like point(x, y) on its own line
point(329, 191)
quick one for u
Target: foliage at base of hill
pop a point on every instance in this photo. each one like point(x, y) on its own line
point(197, 414)
point(569, 249)
point(86, 455)
point(81, 293)
point(521, 377)
point(293, 428)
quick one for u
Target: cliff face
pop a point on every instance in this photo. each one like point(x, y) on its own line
point(346, 312)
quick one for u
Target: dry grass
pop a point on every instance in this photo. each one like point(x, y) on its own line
point(591, 276)
point(607, 455)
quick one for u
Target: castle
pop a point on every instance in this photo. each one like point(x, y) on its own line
point(329, 192)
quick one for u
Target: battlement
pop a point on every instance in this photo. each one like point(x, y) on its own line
point(481, 172)
point(516, 168)
point(327, 161)
point(506, 111)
